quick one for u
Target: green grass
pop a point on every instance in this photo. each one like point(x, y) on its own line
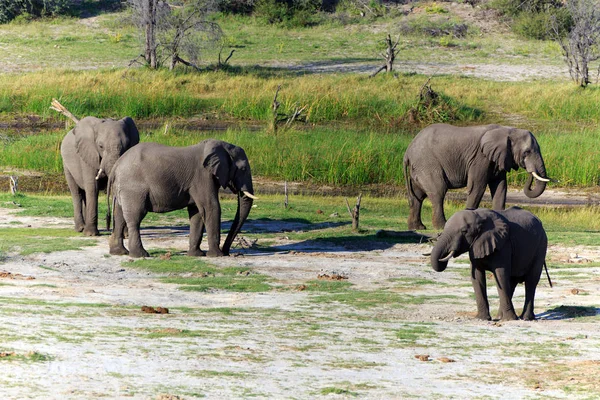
point(409, 334)
point(27, 241)
point(370, 299)
point(204, 277)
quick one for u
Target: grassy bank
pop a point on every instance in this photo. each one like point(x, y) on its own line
point(323, 155)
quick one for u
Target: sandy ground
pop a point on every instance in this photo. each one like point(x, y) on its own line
point(73, 320)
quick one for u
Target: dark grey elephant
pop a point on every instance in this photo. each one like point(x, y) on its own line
point(156, 178)
point(443, 157)
point(511, 244)
point(89, 152)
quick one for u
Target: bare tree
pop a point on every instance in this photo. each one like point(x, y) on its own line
point(175, 31)
point(581, 45)
point(389, 56)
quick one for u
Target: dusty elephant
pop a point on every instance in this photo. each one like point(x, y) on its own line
point(156, 178)
point(89, 152)
point(511, 244)
point(443, 157)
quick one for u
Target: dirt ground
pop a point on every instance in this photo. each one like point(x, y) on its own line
point(72, 326)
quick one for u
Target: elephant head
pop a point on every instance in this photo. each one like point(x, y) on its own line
point(481, 231)
point(100, 142)
point(231, 169)
point(511, 148)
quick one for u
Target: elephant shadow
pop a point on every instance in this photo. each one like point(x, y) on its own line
point(569, 312)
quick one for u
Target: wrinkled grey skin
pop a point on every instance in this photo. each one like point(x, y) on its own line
point(511, 244)
point(443, 157)
point(156, 178)
point(93, 144)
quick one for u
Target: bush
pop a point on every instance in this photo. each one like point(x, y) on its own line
point(538, 25)
point(236, 6)
point(9, 10)
point(435, 27)
point(290, 13)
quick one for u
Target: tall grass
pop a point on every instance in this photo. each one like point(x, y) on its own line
point(323, 155)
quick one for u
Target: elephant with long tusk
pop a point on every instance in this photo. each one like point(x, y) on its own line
point(156, 178)
point(443, 157)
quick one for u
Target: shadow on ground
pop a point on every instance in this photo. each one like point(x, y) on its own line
point(569, 312)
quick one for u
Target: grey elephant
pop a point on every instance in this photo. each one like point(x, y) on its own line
point(511, 244)
point(89, 152)
point(155, 178)
point(443, 157)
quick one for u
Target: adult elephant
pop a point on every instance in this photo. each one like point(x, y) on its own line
point(89, 152)
point(156, 178)
point(511, 243)
point(443, 157)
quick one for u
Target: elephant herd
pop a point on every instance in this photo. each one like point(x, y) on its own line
point(148, 177)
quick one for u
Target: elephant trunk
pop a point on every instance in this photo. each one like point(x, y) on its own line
point(540, 185)
point(243, 209)
point(441, 251)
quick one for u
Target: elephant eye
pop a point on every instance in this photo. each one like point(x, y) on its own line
point(526, 153)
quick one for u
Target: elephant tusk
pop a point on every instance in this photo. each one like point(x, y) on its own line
point(539, 178)
point(448, 257)
point(427, 254)
point(99, 173)
point(248, 194)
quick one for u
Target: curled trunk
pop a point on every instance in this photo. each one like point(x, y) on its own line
point(540, 186)
point(440, 250)
point(243, 209)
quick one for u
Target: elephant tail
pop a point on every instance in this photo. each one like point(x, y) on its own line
point(546, 268)
point(408, 181)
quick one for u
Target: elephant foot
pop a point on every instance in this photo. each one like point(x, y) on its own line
point(528, 317)
point(484, 316)
point(416, 226)
point(91, 232)
point(439, 224)
point(138, 253)
point(215, 253)
point(508, 316)
point(79, 228)
point(196, 253)
point(118, 251)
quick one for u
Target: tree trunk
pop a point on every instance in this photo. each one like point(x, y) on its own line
point(150, 22)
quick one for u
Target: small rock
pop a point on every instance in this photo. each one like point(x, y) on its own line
point(445, 360)
point(334, 215)
point(422, 357)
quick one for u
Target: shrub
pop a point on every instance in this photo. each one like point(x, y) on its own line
point(538, 25)
point(10, 10)
point(290, 13)
point(435, 27)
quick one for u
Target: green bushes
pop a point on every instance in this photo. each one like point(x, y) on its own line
point(535, 19)
point(288, 13)
point(11, 9)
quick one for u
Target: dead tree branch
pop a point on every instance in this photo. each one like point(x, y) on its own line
point(389, 56)
point(56, 106)
point(288, 118)
point(14, 184)
point(355, 212)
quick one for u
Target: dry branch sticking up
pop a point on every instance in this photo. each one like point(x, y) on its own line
point(355, 212)
point(56, 106)
point(389, 56)
point(295, 115)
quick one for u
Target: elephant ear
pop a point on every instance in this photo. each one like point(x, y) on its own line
point(218, 162)
point(493, 234)
point(132, 131)
point(85, 141)
point(495, 144)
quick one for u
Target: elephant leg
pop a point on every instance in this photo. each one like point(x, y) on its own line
point(415, 201)
point(479, 286)
point(133, 218)
point(505, 290)
point(91, 210)
point(115, 242)
point(77, 196)
point(498, 192)
point(513, 285)
point(212, 221)
point(531, 282)
point(476, 185)
point(196, 230)
point(437, 206)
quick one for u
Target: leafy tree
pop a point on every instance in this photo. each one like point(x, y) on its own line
point(10, 9)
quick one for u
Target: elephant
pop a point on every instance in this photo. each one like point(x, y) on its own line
point(443, 157)
point(89, 152)
point(156, 178)
point(511, 244)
